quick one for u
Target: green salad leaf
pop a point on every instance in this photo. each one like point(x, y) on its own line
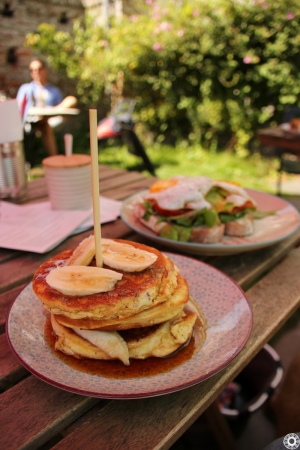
point(262, 214)
point(185, 221)
point(224, 217)
point(175, 233)
point(210, 218)
point(149, 211)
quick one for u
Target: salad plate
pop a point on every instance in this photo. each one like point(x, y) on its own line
point(229, 323)
point(268, 230)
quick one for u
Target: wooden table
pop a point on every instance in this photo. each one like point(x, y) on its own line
point(280, 138)
point(285, 142)
point(52, 111)
point(32, 412)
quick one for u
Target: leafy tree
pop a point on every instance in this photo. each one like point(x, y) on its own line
point(195, 68)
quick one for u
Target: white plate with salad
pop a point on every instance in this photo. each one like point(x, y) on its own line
point(196, 215)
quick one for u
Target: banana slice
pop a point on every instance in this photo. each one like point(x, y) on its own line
point(82, 280)
point(83, 254)
point(115, 255)
point(110, 342)
point(125, 257)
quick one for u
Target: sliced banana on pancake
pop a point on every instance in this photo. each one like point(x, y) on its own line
point(126, 257)
point(83, 254)
point(110, 342)
point(115, 255)
point(82, 280)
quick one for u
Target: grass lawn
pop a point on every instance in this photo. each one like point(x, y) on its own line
point(253, 172)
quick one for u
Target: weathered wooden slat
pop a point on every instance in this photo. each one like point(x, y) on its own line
point(39, 193)
point(121, 180)
point(156, 423)
point(21, 270)
point(85, 417)
point(107, 172)
point(247, 267)
point(10, 369)
point(32, 412)
point(125, 191)
point(36, 184)
point(6, 300)
point(102, 167)
point(7, 255)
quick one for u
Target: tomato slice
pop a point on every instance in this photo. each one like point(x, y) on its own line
point(168, 212)
point(236, 209)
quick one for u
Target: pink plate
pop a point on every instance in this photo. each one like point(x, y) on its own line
point(223, 303)
point(268, 231)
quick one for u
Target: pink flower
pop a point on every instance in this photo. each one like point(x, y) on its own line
point(133, 18)
point(265, 6)
point(180, 33)
point(156, 8)
point(148, 2)
point(290, 15)
point(165, 11)
point(104, 43)
point(247, 59)
point(195, 13)
point(157, 47)
point(165, 26)
point(156, 16)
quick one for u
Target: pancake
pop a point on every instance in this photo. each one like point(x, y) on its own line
point(142, 314)
point(136, 292)
point(158, 340)
point(158, 314)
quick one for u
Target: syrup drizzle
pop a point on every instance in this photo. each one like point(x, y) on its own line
point(138, 368)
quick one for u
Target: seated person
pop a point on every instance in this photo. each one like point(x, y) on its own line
point(40, 93)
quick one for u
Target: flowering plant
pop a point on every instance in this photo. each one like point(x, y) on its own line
point(197, 69)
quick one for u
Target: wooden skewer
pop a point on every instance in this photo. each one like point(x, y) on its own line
point(95, 186)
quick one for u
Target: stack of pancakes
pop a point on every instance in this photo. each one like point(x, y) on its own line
point(142, 316)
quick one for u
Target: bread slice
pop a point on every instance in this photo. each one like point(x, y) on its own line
point(241, 227)
point(206, 235)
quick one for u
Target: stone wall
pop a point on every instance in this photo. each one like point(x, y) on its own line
point(20, 17)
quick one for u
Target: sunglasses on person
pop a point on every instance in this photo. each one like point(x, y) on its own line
point(39, 69)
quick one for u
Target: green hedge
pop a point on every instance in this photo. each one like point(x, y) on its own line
point(195, 68)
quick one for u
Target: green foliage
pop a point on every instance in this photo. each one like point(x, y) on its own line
point(195, 68)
